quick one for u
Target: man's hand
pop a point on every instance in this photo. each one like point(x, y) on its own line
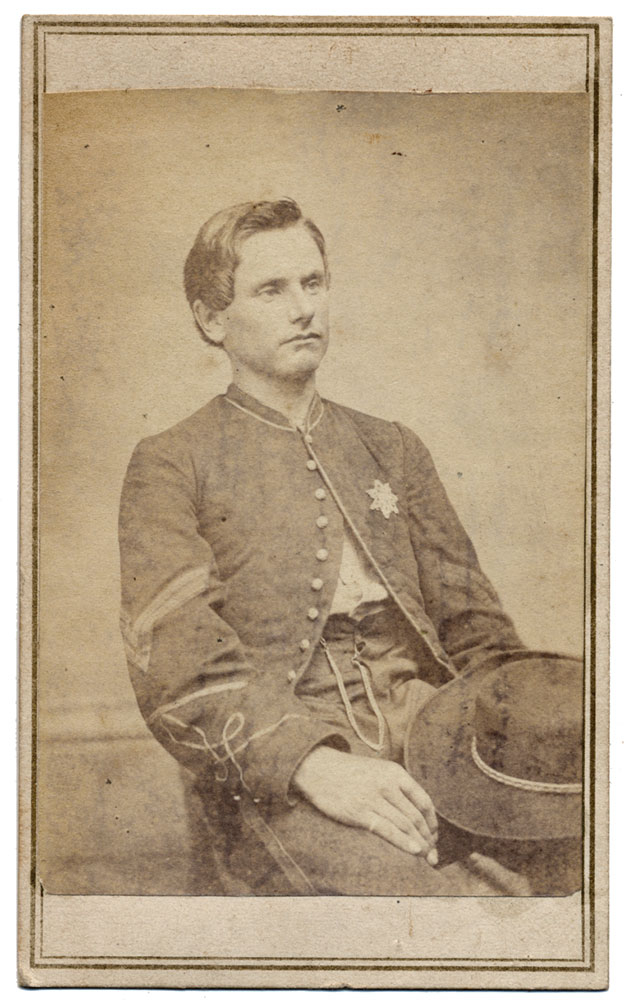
point(377, 795)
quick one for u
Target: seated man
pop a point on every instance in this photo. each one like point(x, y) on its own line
point(295, 586)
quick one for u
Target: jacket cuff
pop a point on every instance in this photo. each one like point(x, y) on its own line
point(268, 777)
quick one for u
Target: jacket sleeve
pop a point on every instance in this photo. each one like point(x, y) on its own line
point(459, 599)
point(201, 697)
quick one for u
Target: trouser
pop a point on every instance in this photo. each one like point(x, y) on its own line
point(239, 849)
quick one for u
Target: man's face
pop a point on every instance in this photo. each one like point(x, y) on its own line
point(277, 324)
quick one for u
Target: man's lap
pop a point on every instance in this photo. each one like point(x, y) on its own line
point(318, 855)
point(298, 850)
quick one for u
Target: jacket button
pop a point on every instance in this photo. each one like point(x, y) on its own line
point(304, 645)
point(291, 676)
point(313, 613)
point(322, 522)
point(311, 464)
point(320, 494)
point(322, 555)
point(317, 583)
point(308, 438)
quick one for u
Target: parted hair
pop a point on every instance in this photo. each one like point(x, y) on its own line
point(213, 258)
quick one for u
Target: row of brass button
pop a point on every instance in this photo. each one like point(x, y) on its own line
point(321, 555)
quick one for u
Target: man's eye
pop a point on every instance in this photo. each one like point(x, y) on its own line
point(313, 285)
point(269, 293)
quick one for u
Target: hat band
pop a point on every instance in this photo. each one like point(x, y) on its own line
point(525, 783)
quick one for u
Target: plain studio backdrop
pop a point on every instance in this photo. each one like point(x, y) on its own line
point(458, 235)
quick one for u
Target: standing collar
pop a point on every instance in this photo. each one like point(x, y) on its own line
point(249, 404)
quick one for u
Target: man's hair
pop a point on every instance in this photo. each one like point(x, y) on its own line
point(209, 268)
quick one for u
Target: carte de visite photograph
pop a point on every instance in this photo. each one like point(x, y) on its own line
point(314, 466)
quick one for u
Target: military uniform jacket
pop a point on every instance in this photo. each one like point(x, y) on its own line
point(231, 531)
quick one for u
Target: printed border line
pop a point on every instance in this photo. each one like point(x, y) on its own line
point(593, 495)
point(355, 33)
point(590, 526)
point(588, 650)
point(307, 23)
point(34, 508)
point(290, 965)
point(156, 895)
point(41, 927)
point(569, 962)
point(591, 26)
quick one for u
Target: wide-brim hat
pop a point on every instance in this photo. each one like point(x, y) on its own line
point(499, 750)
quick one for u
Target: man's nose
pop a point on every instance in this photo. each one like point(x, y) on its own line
point(301, 306)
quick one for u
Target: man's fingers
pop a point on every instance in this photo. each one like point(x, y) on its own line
point(421, 800)
point(383, 827)
point(400, 820)
point(419, 843)
point(414, 816)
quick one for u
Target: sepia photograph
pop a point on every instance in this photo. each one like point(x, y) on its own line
point(315, 437)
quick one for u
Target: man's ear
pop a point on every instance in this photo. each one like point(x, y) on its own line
point(210, 322)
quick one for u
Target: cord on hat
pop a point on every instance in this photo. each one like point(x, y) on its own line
point(524, 783)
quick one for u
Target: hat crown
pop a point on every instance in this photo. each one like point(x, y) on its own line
point(528, 722)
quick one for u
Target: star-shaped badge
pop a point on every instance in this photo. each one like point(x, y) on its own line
point(383, 498)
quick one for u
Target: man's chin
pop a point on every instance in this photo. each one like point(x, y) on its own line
point(306, 360)
point(300, 374)
point(294, 374)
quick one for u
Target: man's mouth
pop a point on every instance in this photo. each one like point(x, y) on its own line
point(303, 338)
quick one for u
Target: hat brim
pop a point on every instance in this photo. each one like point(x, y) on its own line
point(438, 756)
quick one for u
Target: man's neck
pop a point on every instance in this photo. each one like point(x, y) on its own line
point(289, 397)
